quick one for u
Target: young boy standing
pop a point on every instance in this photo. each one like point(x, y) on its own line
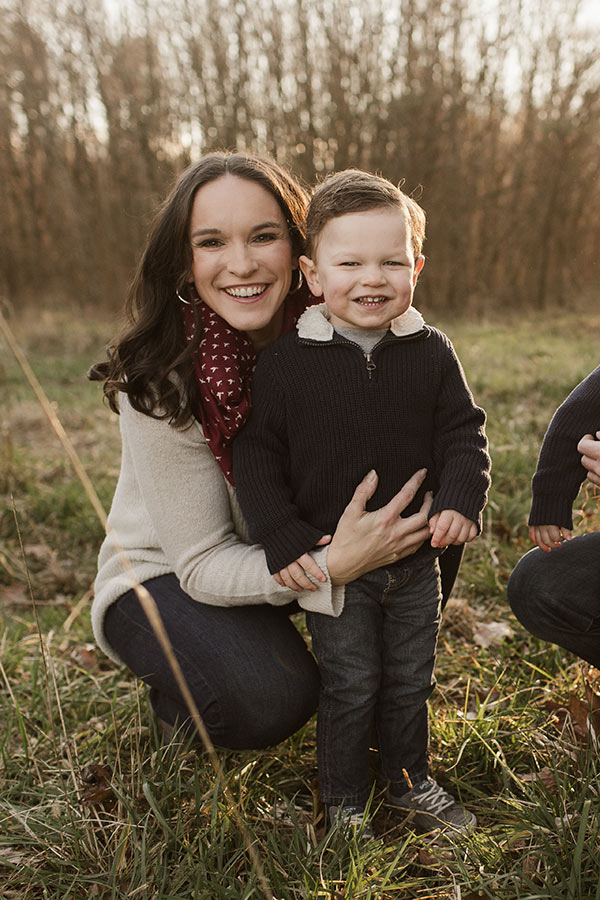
point(364, 384)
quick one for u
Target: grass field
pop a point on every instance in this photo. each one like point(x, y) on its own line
point(92, 806)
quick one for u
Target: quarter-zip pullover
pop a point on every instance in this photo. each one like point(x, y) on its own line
point(324, 413)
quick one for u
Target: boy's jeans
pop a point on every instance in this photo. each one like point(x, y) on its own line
point(376, 664)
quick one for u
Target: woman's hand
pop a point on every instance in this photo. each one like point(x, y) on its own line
point(366, 540)
point(589, 447)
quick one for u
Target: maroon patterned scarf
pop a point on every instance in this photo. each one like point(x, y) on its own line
point(224, 364)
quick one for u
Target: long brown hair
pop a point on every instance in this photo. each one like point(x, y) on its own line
point(149, 360)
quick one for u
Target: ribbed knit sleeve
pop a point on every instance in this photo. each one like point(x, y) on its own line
point(460, 444)
point(559, 472)
point(260, 466)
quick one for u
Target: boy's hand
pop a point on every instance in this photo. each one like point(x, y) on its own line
point(549, 536)
point(450, 527)
point(295, 576)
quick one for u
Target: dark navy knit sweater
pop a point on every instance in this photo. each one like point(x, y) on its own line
point(324, 414)
point(559, 472)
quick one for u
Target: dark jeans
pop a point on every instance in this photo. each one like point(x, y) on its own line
point(376, 662)
point(250, 672)
point(556, 595)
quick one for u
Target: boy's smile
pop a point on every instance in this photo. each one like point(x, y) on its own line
point(364, 267)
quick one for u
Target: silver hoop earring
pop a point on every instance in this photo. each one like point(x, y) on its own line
point(300, 281)
point(183, 300)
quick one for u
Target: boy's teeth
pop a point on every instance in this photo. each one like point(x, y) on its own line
point(367, 301)
point(253, 291)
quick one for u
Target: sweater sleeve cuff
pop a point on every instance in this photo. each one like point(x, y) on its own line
point(551, 509)
point(288, 542)
point(469, 502)
point(328, 600)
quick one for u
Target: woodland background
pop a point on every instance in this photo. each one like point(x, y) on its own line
point(489, 112)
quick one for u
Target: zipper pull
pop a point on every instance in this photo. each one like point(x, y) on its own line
point(370, 364)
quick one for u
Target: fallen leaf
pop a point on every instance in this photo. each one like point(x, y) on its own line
point(95, 774)
point(531, 866)
point(86, 657)
point(565, 715)
point(15, 595)
point(488, 633)
point(12, 856)
point(579, 711)
point(566, 821)
point(99, 791)
point(426, 858)
point(545, 776)
point(594, 716)
point(98, 795)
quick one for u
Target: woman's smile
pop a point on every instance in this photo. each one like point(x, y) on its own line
point(246, 293)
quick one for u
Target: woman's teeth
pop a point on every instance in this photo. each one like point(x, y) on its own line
point(244, 292)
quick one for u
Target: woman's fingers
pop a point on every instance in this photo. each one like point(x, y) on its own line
point(404, 497)
point(362, 494)
point(587, 444)
point(412, 543)
point(366, 540)
point(589, 447)
point(426, 504)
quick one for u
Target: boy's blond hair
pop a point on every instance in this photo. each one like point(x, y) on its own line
point(353, 190)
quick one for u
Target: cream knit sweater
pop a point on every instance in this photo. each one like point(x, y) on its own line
point(173, 511)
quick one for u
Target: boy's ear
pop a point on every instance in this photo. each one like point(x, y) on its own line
point(419, 263)
point(309, 271)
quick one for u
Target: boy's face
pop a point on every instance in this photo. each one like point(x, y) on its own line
point(364, 268)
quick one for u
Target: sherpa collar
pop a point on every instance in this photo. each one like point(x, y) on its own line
point(314, 323)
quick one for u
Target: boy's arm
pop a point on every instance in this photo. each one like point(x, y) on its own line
point(260, 463)
point(460, 444)
point(559, 471)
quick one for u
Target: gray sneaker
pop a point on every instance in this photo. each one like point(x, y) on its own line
point(352, 821)
point(434, 808)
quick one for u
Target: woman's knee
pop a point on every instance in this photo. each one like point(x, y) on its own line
point(250, 672)
point(523, 588)
point(549, 592)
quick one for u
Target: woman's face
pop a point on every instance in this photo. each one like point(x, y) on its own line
point(242, 255)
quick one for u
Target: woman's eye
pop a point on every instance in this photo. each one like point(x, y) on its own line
point(265, 237)
point(207, 244)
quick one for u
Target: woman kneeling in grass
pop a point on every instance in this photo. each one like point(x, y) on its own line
point(217, 282)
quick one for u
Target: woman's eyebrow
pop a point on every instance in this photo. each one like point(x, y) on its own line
point(266, 225)
point(200, 231)
point(203, 231)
